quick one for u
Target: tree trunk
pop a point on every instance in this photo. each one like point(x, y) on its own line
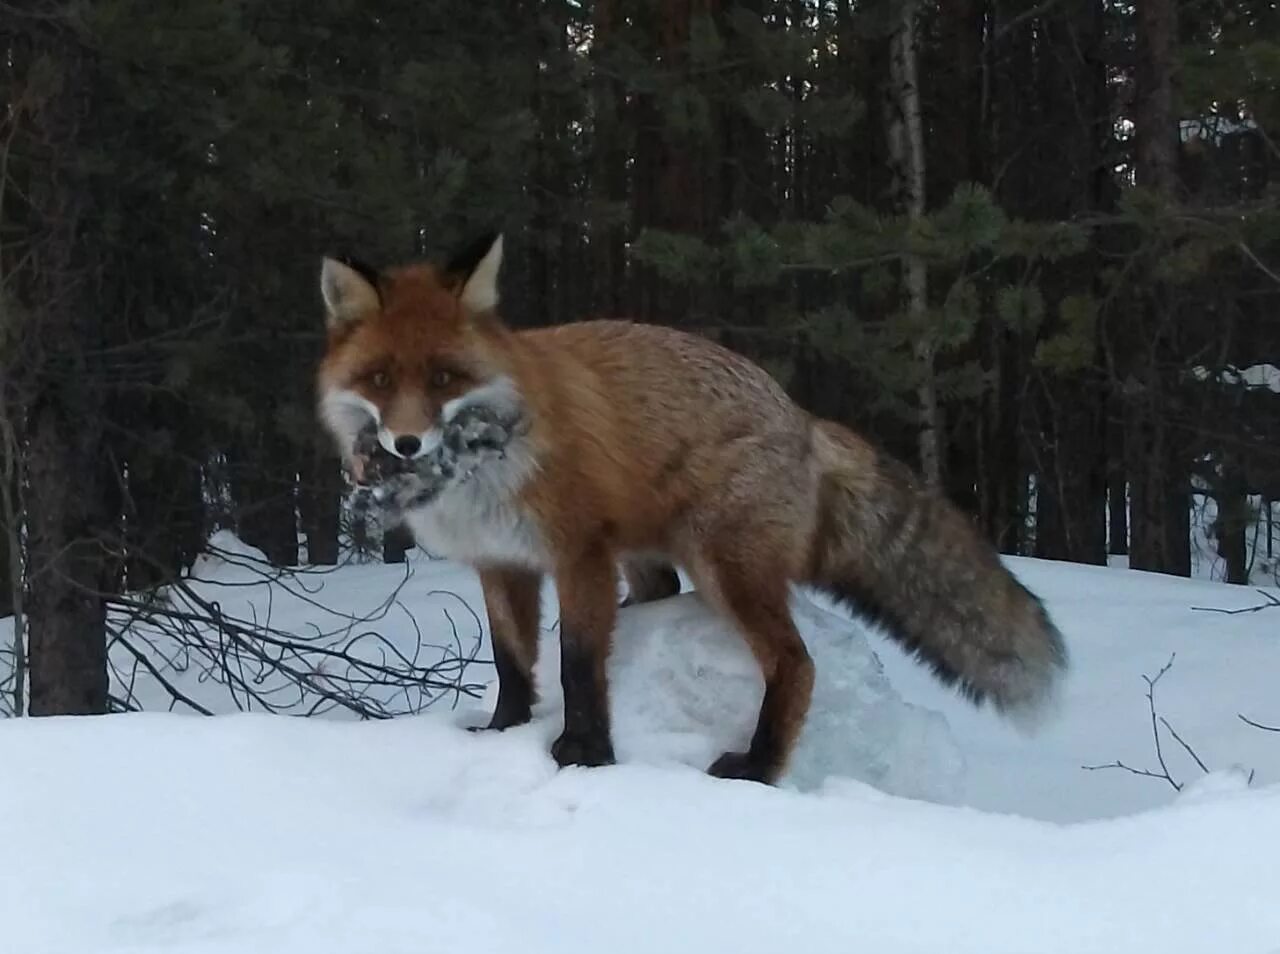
point(1001, 477)
point(1071, 509)
point(164, 514)
point(12, 603)
point(66, 609)
point(397, 541)
point(1117, 475)
point(608, 169)
point(1159, 522)
point(1069, 404)
point(321, 507)
point(1118, 511)
point(7, 561)
point(265, 486)
point(1159, 490)
point(542, 184)
point(906, 152)
point(670, 165)
point(1232, 524)
point(1156, 132)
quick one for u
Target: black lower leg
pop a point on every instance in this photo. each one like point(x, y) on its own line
point(788, 689)
point(512, 601)
point(764, 758)
point(515, 689)
point(586, 738)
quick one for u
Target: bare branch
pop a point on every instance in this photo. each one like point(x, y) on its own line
point(1156, 722)
point(1189, 750)
point(1136, 771)
point(179, 633)
point(1271, 601)
point(1151, 706)
point(1258, 725)
point(1258, 263)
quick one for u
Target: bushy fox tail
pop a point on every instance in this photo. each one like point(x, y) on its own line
point(904, 556)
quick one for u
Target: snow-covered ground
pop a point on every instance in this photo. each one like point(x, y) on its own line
point(909, 822)
point(261, 834)
point(1121, 625)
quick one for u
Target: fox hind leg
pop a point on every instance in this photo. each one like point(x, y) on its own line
point(649, 580)
point(758, 604)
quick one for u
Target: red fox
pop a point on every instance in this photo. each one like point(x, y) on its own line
point(650, 448)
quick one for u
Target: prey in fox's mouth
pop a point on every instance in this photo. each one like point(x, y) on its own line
point(476, 434)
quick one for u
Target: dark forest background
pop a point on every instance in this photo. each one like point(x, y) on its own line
point(1021, 243)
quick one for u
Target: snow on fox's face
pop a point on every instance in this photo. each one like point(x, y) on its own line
point(405, 350)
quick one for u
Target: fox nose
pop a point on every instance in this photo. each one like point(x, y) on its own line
point(407, 445)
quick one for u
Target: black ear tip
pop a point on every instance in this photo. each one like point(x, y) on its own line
point(465, 260)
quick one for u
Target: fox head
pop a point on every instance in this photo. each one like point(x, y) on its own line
point(408, 346)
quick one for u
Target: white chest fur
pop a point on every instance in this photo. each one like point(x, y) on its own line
point(479, 521)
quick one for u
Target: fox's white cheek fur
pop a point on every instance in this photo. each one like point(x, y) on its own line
point(500, 394)
point(346, 414)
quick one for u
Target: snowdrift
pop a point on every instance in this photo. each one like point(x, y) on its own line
point(685, 685)
point(253, 834)
point(260, 833)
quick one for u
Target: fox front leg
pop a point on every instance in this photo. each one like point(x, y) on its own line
point(512, 599)
point(588, 610)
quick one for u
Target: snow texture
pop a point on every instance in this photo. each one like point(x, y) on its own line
point(910, 821)
point(250, 834)
point(1120, 625)
point(685, 685)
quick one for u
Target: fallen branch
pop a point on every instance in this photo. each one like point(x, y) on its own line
point(1271, 601)
point(188, 639)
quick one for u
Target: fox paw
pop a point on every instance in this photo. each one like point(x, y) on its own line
point(589, 749)
point(497, 724)
point(513, 709)
point(741, 765)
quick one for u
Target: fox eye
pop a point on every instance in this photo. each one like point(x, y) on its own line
point(441, 377)
point(381, 379)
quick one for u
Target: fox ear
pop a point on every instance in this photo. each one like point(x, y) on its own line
point(475, 272)
point(350, 289)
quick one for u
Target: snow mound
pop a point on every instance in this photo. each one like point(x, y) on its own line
point(1121, 625)
point(684, 687)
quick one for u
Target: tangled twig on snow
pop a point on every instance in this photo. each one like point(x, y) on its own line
point(1156, 722)
point(350, 666)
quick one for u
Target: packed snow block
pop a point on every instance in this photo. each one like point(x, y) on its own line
point(685, 688)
